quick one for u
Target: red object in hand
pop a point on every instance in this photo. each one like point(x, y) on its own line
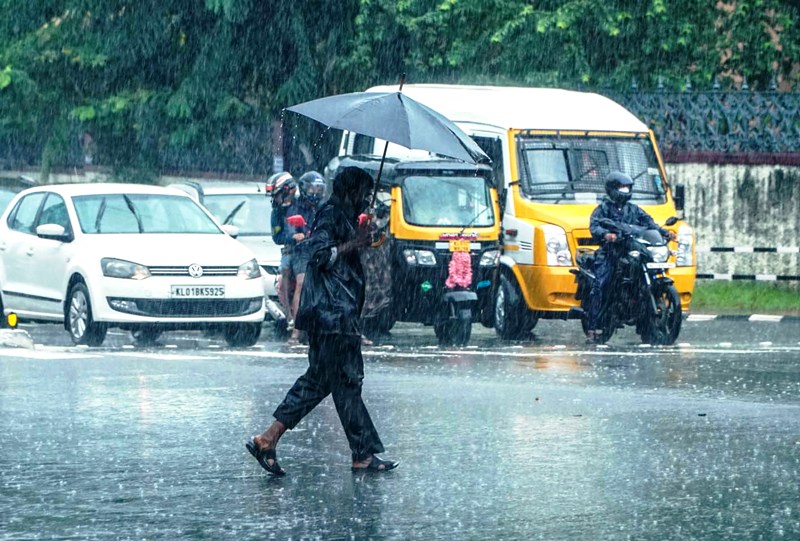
point(296, 220)
point(363, 218)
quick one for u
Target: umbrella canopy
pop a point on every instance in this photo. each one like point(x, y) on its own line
point(393, 117)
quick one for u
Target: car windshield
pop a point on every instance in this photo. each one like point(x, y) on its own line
point(141, 213)
point(573, 169)
point(251, 213)
point(448, 201)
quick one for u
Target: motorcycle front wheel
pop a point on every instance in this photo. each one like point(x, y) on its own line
point(664, 326)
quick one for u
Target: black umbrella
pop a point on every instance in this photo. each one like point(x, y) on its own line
point(396, 118)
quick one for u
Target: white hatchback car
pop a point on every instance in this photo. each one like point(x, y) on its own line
point(143, 258)
point(247, 206)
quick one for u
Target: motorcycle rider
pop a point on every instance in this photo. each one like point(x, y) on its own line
point(617, 207)
point(312, 192)
point(284, 204)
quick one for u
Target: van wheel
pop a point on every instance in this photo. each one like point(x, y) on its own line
point(512, 319)
point(80, 324)
point(242, 335)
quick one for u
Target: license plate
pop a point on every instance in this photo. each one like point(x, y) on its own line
point(197, 292)
point(459, 245)
point(665, 265)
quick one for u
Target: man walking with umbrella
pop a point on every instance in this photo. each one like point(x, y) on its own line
point(330, 306)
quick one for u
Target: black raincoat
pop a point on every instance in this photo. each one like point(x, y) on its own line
point(606, 257)
point(333, 290)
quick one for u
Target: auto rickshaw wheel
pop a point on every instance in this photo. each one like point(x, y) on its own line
point(456, 330)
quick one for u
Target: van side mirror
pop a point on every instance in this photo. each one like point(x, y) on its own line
point(679, 195)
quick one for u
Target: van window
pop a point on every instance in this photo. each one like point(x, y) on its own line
point(448, 201)
point(573, 169)
point(494, 149)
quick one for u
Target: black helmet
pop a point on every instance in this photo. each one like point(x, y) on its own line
point(619, 187)
point(312, 186)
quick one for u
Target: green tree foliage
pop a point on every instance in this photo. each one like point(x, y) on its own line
point(152, 84)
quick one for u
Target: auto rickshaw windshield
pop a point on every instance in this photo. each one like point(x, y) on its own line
point(447, 201)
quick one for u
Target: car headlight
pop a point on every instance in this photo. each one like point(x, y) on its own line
point(555, 239)
point(424, 258)
point(683, 256)
point(489, 258)
point(659, 253)
point(249, 270)
point(119, 268)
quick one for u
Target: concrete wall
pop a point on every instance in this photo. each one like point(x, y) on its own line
point(742, 205)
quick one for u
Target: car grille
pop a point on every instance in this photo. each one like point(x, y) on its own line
point(184, 271)
point(187, 307)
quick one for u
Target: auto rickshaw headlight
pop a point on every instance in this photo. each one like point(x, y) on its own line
point(424, 258)
point(490, 258)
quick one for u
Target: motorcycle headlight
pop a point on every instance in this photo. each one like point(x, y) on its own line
point(659, 253)
point(119, 268)
point(683, 256)
point(249, 270)
point(555, 239)
point(489, 258)
point(424, 258)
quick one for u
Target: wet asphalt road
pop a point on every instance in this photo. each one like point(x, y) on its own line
point(540, 439)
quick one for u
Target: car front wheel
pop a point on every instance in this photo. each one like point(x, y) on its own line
point(80, 325)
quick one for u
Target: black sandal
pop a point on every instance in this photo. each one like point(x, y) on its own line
point(263, 455)
point(375, 465)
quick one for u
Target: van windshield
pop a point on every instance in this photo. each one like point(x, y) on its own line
point(447, 201)
point(573, 169)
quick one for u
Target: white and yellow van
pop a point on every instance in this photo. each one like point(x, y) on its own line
point(551, 150)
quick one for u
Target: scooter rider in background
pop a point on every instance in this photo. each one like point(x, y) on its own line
point(616, 207)
point(312, 193)
point(284, 204)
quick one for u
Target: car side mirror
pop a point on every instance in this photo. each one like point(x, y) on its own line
point(231, 230)
point(53, 232)
point(679, 196)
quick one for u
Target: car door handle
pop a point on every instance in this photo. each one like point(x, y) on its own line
point(29, 251)
point(2, 246)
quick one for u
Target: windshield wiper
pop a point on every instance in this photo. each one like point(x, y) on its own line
point(99, 217)
point(236, 209)
point(133, 211)
point(472, 221)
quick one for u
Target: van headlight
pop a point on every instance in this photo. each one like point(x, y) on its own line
point(683, 256)
point(489, 258)
point(119, 268)
point(424, 258)
point(555, 239)
point(249, 270)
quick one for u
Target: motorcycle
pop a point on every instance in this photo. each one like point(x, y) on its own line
point(639, 292)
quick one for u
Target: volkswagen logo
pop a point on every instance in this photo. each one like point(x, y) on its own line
point(195, 270)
